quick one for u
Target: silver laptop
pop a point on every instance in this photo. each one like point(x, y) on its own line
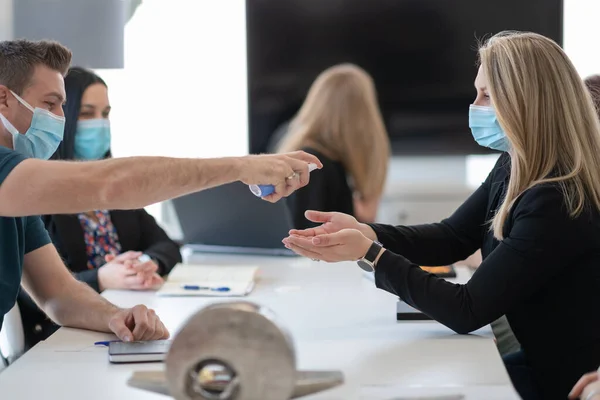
point(230, 219)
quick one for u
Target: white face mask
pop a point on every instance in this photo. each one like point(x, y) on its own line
point(43, 136)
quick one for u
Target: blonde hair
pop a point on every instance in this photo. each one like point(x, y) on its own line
point(341, 119)
point(549, 118)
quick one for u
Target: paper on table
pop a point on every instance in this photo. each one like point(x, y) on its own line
point(239, 279)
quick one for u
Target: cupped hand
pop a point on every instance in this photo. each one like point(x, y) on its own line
point(344, 245)
point(332, 222)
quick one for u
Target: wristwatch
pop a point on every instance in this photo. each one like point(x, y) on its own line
point(367, 263)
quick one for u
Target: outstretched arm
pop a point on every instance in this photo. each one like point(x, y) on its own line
point(36, 187)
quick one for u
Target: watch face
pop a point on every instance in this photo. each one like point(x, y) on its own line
point(365, 265)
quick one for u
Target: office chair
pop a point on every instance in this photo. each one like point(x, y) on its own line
point(12, 337)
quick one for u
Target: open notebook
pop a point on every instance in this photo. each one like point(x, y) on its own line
point(209, 280)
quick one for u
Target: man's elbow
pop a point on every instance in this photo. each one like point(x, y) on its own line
point(53, 309)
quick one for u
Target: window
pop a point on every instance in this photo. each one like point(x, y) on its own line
point(182, 92)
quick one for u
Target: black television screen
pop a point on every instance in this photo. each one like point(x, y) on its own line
point(421, 54)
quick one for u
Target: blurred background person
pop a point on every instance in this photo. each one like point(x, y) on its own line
point(340, 122)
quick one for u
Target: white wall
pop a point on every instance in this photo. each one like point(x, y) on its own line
point(183, 89)
point(6, 17)
point(582, 35)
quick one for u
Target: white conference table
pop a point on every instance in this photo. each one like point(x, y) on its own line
point(338, 319)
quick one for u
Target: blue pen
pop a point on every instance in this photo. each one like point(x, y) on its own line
point(265, 190)
point(106, 342)
point(197, 287)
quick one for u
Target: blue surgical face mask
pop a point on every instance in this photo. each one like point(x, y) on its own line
point(92, 139)
point(43, 136)
point(485, 128)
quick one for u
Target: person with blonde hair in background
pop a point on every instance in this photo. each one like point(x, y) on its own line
point(536, 219)
point(593, 84)
point(341, 124)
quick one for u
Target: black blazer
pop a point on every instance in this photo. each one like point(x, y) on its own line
point(544, 276)
point(137, 230)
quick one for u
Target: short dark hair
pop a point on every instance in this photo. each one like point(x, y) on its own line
point(593, 85)
point(18, 59)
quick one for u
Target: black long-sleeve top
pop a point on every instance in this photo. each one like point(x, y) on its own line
point(544, 276)
point(328, 191)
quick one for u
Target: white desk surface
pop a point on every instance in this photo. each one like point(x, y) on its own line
point(338, 319)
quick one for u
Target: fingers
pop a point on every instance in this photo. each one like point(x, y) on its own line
point(303, 252)
point(148, 267)
point(301, 174)
point(304, 156)
point(300, 241)
point(318, 216)
point(291, 185)
point(147, 324)
point(304, 247)
point(303, 177)
point(276, 195)
point(291, 172)
point(142, 280)
point(130, 267)
point(314, 237)
point(138, 323)
point(143, 328)
point(155, 280)
point(333, 239)
point(305, 232)
point(135, 281)
point(109, 257)
point(160, 330)
point(582, 383)
point(286, 172)
point(345, 245)
point(117, 325)
point(128, 255)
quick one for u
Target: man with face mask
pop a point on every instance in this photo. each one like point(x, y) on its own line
point(31, 127)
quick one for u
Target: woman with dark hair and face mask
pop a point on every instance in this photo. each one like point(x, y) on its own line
point(105, 249)
point(87, 111)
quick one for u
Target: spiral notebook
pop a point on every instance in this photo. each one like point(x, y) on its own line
point(209, 280)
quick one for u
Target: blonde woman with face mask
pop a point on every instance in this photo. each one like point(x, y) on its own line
point(536, 219)
point(340, 123)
